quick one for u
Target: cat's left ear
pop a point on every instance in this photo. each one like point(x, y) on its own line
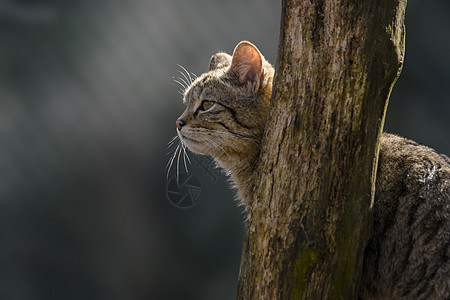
point(246, 64)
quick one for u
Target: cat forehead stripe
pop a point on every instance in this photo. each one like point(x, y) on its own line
point(198, 86)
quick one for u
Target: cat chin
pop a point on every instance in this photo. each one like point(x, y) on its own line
point(194, 146)
point(196, 150)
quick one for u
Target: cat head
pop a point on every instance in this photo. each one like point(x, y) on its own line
point(227, 106)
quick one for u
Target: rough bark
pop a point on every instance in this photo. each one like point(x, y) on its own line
point(308, 226)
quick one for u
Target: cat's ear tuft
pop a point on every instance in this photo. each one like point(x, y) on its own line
point(219, 60)
point(247, 63)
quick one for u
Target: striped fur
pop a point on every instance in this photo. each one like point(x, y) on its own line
point(408, 254)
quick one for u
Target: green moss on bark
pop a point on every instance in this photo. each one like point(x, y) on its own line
point(302, 265)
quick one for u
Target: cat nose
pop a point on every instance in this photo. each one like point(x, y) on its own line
point(180, 123)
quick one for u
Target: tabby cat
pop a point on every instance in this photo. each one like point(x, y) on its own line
point(408, 254)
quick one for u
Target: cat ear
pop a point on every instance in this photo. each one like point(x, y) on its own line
point(219, 60)
point(247, 63)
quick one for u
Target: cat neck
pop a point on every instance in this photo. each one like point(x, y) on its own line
point(242, 171)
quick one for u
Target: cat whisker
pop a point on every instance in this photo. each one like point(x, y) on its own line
point(169, 164)
point(185, 80)
point(187, 156)
point(181, 90)
point(168, 154)
point(170, 159)
point(175, 80)
point(172, 141)
point(223, 150)
point(184, 158)
point(183, 85)
point(170, 145)
point(190, 78)
point(230, 134)
point(218, 147)
point(174, 138)
point(178, 166)
point(235, 135)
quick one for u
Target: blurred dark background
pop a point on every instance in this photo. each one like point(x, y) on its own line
point(87, 107)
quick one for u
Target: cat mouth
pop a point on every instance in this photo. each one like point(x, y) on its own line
point(189, 141)
point(193, 144)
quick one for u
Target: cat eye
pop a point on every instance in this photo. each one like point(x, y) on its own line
point(206, 105)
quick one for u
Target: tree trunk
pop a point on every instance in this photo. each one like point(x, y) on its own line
point(310, 220)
